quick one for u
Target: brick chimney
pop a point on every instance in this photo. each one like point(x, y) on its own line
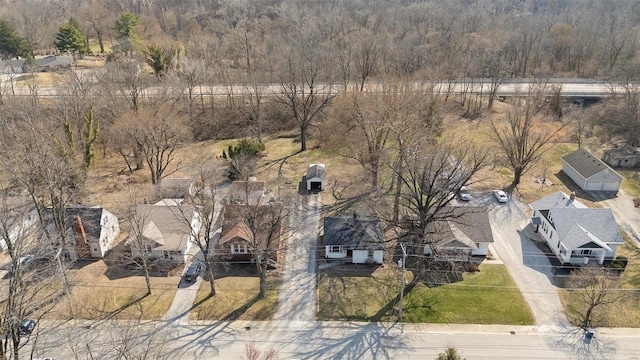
point(82, 244)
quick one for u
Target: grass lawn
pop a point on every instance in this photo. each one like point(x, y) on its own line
point(94, 296)
point(631, 183)
point(625, 313)
point(487, 297)
point(236, 299)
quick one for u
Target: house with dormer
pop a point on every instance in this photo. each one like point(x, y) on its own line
point(575, 233)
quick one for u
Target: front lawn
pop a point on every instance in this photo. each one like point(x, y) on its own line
point(236, 299)
point(95, 296)
point(486, 297)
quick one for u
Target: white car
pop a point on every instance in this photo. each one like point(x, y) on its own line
point(500, 195)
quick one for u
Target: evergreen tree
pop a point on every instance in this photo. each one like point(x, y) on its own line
point(71, 39)
point(125, 28)
point(11, 44)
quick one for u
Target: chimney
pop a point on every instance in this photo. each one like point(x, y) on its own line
point(573, 196)
point(81, 235)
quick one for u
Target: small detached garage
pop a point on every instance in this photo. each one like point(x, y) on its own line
point(590, 173)
point(316, 177)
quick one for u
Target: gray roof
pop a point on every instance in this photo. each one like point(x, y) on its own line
point(54, 61)
point(556, 200)
point(585, 163)
point(166, 225)
point(353, 232)
point(90, 216)
point(317, 171)
point(579, 227)
point(623, 152)
point(466, 225)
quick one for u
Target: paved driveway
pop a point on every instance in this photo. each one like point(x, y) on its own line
point(297, 296)
point(627, 215)
point(529, 267)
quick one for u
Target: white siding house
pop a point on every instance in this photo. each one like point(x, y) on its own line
point(576, 234)
point(467, 232)
point(589, 172)
point(357, 240)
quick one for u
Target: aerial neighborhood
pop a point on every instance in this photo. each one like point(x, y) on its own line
point(319, 179)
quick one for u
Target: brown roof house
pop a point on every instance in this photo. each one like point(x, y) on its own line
point(167, 231)
point(250, 228)
point(467, 232)
point(589, 172)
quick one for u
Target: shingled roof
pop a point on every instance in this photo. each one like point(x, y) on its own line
point(585, 163)
point(353, 232)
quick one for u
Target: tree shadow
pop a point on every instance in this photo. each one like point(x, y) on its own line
point(573, 342)
point(372, 340)
point(112, 314)
point(573, 187)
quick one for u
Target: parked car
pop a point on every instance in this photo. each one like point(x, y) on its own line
point(464, 194)
point(27, 326)
point(500, 195)
point(192, 273)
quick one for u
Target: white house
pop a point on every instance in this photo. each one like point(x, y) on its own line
point(316, 177)
point(94, 228)
point(89, 231)
point(353, 238)
point(168, 231)
point(465, 232)
point(576, 234)
point(589, 172)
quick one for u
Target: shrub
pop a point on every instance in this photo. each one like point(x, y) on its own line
point(619, 263)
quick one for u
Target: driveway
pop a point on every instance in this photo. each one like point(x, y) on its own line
point(297, 296)
point(627, 215)
point(528, 265)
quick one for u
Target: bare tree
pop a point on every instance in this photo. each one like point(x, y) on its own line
point(302, 91)
point(524, 137)
point(429, 181)
point(596, 290)
point(33, 286)
point(209, 203)
point(154, 135)
point(138, 250)
point(262, 228)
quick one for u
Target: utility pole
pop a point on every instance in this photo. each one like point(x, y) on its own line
point(404, 260)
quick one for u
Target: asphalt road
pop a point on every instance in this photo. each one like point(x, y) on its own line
point(325, 340)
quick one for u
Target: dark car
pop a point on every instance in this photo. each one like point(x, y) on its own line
point(192, 273)
point(27, 326)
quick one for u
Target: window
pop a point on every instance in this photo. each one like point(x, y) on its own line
point(238, 248)
point(335, 248)
point(585, 252)
point(550, 234)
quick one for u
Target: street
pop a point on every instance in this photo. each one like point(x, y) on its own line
point(328, 340)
